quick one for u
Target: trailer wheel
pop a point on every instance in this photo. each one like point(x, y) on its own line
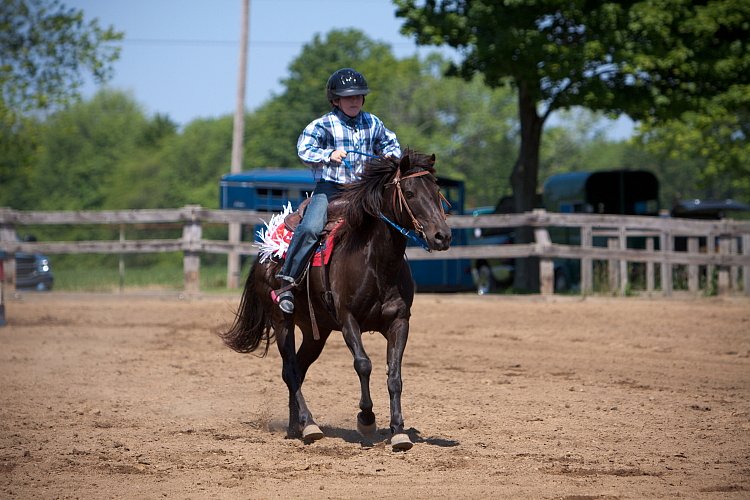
point(561, 281)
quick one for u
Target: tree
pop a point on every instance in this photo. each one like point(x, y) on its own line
point(650, 59)
point(83, 146)
point(45, 51)
point(189, 165)
point(704, 154)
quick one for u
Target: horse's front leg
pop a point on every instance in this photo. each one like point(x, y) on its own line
point(397, 335)
point(363, 366)
point(301, 423)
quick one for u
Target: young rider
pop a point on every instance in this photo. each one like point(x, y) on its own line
point(335, 146)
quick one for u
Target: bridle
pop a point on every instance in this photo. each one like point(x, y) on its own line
point(399, 203)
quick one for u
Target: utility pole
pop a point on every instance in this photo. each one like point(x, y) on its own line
point(233, 258)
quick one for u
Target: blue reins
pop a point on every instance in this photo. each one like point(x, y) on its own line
point(353, 151)
point(409, 233)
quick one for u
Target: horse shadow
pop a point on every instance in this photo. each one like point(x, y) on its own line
point(381, 436)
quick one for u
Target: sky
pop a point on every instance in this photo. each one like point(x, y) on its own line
point(181, 57)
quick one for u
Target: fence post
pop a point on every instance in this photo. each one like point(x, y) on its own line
point(623, 263)
point(8, 233)
point(723, 280)
point(587, 263)
point(2, 290)
point(650, 265)
point(612, 266)
point(710, 250)
point(734, 271)
point(121, 266)
point(546, 265)
point(665, 241)
point(192, 233)
point(746, 268)
point(693, 248)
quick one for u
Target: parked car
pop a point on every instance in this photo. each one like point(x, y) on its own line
point(491, 274)
point(710, 209)
point(706, 210)
point(33, 272)
point(497, 274)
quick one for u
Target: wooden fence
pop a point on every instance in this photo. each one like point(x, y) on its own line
point(711, 247)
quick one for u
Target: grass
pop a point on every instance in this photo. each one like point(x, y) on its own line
point(160, 277)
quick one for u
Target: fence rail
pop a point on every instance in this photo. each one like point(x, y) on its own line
point(726, 249)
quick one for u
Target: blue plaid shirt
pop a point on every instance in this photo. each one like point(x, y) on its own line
point(365, 133)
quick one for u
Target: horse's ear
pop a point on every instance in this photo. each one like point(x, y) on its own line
point(405, 163)
point(432, 159)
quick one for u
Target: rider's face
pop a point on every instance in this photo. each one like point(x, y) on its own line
point(350, 105)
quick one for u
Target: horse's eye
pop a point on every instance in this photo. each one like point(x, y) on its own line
point(409, 195)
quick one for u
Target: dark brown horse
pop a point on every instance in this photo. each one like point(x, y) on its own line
point(370, 283)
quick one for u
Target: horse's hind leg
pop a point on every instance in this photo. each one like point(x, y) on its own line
point(301, 423)
point(363, 366)
point(308, 352)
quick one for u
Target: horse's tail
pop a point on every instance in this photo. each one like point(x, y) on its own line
point(252, 327)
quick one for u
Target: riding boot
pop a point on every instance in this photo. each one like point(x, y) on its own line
point(301, 248)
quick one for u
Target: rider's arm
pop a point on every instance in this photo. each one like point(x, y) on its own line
point(384, 140)
point(314, 147)
point(389, 143)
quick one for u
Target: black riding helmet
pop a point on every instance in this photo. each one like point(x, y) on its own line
point(346, 82)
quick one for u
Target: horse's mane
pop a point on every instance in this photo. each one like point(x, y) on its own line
point(364, 197)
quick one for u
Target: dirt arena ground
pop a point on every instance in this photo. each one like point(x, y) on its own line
point(505, 397)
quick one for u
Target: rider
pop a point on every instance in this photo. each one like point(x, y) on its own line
point(335, 146)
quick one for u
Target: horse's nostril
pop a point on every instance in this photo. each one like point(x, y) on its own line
point(443, 237)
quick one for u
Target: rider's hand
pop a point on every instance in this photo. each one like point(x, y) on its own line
point(338, 156)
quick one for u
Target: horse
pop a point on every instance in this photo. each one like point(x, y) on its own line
point(366, 287)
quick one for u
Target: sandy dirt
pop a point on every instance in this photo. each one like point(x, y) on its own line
point(505, 397)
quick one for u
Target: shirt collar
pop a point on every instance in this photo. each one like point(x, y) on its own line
point(346, 119)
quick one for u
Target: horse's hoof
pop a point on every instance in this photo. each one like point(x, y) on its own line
point(367, 431)
point(311, 433)
point(401, 442)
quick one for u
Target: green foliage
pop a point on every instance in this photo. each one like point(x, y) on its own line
point(705, 154)
point(83, 147)
point(19, 142)
point(45, 49)
point(191, 163)
point(655, 58)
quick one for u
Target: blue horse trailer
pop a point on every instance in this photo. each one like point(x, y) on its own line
point(269, 190)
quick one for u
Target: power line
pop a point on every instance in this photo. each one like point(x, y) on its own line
point(228, 43)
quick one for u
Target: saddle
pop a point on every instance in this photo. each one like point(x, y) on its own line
point(335, 215)
point(322, 255)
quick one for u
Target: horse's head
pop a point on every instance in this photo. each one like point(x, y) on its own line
point(414, 199)
point(403, 189)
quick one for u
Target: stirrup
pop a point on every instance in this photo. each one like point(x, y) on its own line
point(285, 300)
